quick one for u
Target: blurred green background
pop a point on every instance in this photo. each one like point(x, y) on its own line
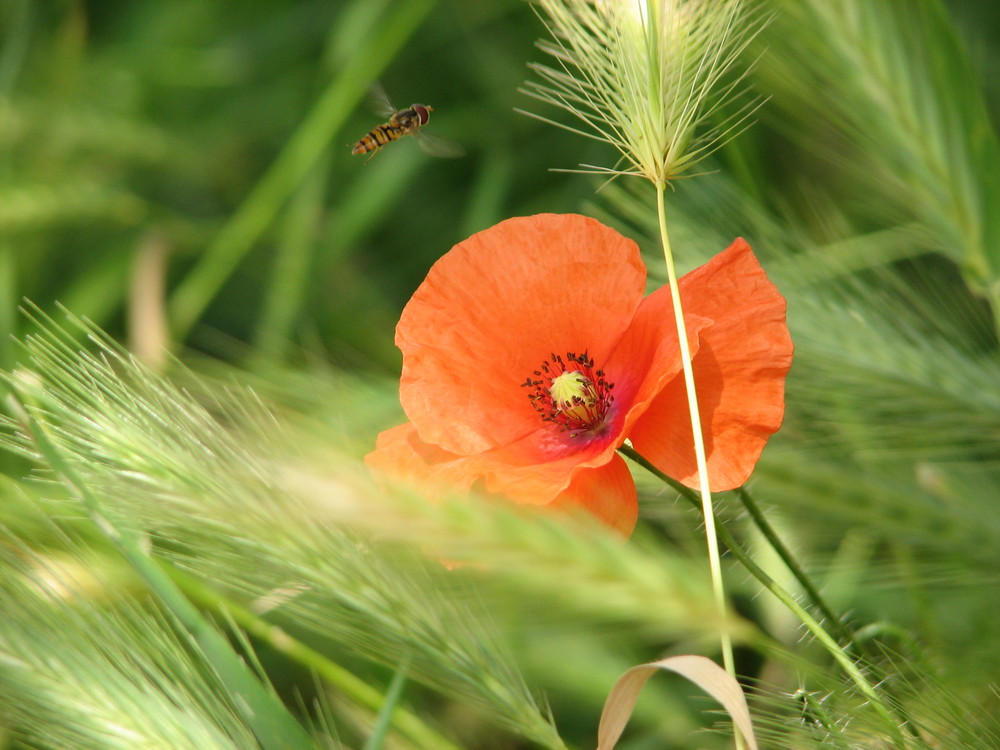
point(180, 174)
point(219, 134)
point(145, 122)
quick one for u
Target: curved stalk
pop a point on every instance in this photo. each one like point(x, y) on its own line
point(714, 560)
point(765, 528)
point(852, 670)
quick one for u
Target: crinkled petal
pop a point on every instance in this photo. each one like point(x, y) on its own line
point(739, 372)
point(494, 308)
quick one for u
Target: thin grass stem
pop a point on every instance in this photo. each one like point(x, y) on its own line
point(847, 635)
point(9, 320)
point(851, 669)
point(714, 560)
point(767, 530)
point(405, 721)
point(286, 293)
point(256, 214)
point(263, 712)
point(376, 740)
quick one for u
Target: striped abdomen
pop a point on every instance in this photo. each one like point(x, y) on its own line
point(401, 122)
point(377, 137)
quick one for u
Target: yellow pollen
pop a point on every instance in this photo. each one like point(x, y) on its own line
point(574, 395)
point(577, 401)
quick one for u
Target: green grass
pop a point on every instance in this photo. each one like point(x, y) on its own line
point(196, 544)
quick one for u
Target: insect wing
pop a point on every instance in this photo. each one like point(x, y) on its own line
point(378, 100)
point(435, 145)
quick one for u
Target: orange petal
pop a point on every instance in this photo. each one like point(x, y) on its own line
point(649, 357)
point(494, 308)
point(401, 455)
point(607, 492)
point(530, 472)
point(511, 471)
point(594, 478)
point(739, 372)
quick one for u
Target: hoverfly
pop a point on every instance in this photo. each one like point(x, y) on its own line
point(403, 122)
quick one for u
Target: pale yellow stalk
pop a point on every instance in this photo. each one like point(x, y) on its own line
point(644, 76)
point(701, 459)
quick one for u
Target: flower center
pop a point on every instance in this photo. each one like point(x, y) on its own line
point(571, 393)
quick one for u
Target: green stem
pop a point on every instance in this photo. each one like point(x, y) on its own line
point(846, 635)
point(376, 740)
point(406, 722)
point(812, 625)
point(765, 528)
point(239, 234)
point(714, 559)
point(993, 295)
point(9, 320)
point(267, 717)
point(814, 712)
point(285, 294)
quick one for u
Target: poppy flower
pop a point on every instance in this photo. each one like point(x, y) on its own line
point(530, 354)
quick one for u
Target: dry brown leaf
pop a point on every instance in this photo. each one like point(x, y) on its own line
point(703, 672)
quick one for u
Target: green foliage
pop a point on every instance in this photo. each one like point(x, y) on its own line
point(222, 130)
point(891, 87)
point(85, 665)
